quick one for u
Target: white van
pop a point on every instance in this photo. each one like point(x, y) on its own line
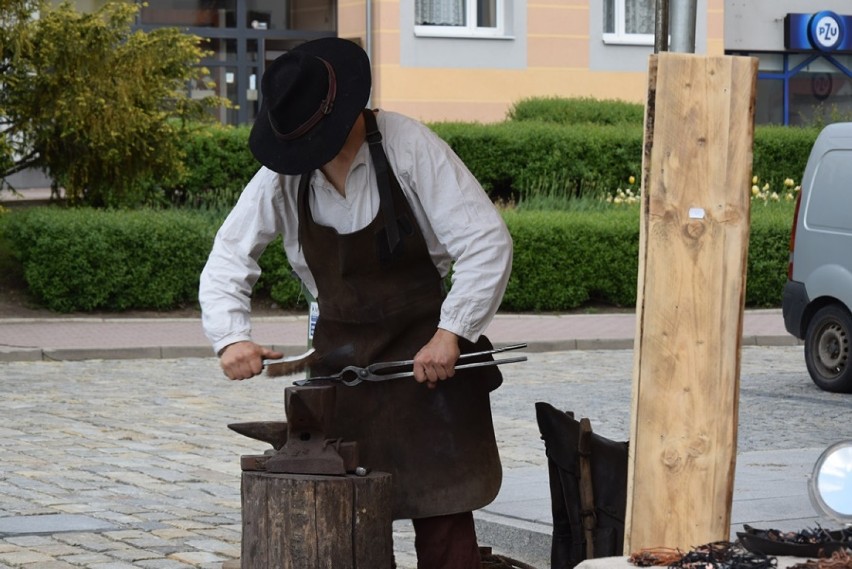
point(817, 302)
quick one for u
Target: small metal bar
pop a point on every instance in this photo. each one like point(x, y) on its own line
point(661, 26)
point(683, 14)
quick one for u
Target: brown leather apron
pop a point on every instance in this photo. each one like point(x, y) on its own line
point(378, 303)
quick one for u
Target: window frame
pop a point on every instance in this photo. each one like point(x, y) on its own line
point(620, 36)
point(468, 30)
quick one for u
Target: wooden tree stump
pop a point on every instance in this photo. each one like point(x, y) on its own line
point(294, 521)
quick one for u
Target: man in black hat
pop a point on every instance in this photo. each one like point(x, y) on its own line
point(374, 210)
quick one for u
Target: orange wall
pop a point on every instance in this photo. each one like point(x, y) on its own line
point(715, 27)
point(558, 34)
point(351, 18)
point(558, 40)
point(486, 95)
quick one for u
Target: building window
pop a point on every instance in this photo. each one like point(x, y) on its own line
point(461, 18)
point(212, 14)
point(629, 22)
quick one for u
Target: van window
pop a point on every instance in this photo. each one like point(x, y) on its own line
point(829, 206)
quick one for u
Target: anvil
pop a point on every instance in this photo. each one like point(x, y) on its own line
point(299, 444)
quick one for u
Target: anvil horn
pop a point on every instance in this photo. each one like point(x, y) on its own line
point(272, 432)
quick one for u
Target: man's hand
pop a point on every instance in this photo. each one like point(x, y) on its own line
point(436, 360)
point(242, 360)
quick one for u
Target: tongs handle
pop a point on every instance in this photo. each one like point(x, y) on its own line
point(374, 368)
point(369, 373)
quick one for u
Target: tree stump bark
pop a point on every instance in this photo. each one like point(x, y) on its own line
point(294, 521)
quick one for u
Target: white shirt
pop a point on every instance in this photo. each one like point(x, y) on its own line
point(462, 228)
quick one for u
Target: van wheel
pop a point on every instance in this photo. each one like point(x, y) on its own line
point(827, 349)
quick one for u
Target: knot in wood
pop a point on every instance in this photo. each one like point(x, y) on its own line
point(695, 228)
point(672, 459)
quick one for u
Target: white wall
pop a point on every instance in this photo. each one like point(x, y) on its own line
point(758, 25)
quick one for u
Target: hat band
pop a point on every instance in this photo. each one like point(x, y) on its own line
point(323, 110)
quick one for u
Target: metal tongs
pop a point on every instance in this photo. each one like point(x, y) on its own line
point(351, 376)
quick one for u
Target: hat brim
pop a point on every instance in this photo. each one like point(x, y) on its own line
point(323, 142)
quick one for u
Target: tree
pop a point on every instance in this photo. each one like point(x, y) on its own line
point(96, 105)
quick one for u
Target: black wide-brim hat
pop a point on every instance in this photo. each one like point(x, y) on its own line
point(312, 96)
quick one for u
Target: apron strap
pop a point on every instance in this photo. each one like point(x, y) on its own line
point(380, 163)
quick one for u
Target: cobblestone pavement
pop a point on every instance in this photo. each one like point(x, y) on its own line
point(141, 446)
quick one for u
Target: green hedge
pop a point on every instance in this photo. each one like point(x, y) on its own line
point(564, 259)
point(769, 252)
point(86, 260)
point(782, 152)
point(513, 159)
point(519, 159)
point(580, 110)
point(219, 164)
point(524, 158)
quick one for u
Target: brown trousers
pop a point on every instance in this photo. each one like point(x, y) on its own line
point(446, 542)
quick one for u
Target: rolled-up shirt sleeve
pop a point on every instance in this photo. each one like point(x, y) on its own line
point(465, 222)
point(232, 268)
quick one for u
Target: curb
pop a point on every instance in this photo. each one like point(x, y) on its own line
point(24, 354)
point(523, 540)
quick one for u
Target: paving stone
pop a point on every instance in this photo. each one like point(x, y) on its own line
point(24, 556)
point(30, 540)
point(55, 564)
point(196, 557)
point(132, 554)
point(51, 523)
point(163, 564)
point(90, 541)
point(56, 549)
point(214, 546)
point(86, 559)
point(171, 533)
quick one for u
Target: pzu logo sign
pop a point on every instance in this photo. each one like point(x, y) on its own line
point(826, 31)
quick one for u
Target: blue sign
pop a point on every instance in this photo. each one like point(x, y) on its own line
point(824, 31)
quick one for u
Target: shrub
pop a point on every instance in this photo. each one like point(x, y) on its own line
point(84, 260)
point(92, 102)
point(277, 280)
point(583, 110)
point(781, 151)
point(769, 251)
point(565, 259)
point(219, 166)
point(513, 159)
point(88, 259)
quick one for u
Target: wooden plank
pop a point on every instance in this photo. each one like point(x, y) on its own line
point(293, 521)
point(253, 548)
point(372, 526)
point(693, 248)
point(334, 529)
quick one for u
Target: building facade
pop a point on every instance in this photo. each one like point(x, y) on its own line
point(470, 60)
point(805, 53)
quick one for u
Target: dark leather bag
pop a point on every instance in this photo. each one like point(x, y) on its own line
point(596, 528)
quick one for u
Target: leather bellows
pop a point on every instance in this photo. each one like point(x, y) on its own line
point(588, 488)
